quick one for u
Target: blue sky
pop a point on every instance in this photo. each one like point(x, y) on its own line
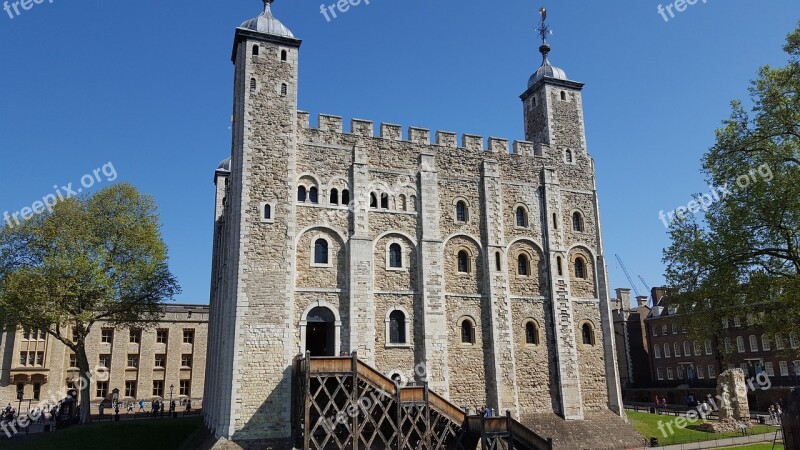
point(148, 86)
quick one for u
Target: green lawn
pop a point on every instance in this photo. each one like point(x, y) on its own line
point(648, 426)
point(764, 446)
point(166, 434)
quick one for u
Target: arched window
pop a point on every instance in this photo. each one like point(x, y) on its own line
point(467, 332)
point(313, 194)
point(397, 327)
point(563, 95)
point(463, 261)
point(373, 200)
point(657, 351)
point(740, 344)
point(345, 197)
point(284, 89)
point(522, 217)
point(283, 55)
point(401, 203)
point(568, 156)
point(577, 222)
point(301, 194)
point(588, 334)
point(560, 269)
point(687, 349)
point(708, 347)
point(765, 343)
point(334, 196)
point(677, 349)
point(697, 349)
point(255, 50)
point(793, 341)
point(321, 251)
point(395, 256)
point(497, 261)
point(461, 212)
point(667, 351)
point(252, 84)
point(267, 211)
point(753, 344)
point(384, 201)
point(531, 334)
point(580, 269)
point(413, 202)
point(523, 266)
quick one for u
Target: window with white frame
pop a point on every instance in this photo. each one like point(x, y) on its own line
point(698, 350)
point(677, 348)
point(745, 368)
point(684, 329)
point(321, 253)
point(796, 367)
point(779, 342)
point(737, 322)
point(674, 328)
point(670, 375)
point(740, 344)
point(753, 344)
point(687, 350)
point(664, 330)
point(770, 368)
point(680, 372)
point(712, 372)
point(784, 368)
point(655, 331)
point(397, 328)
point(709, 348)
point(394, 256)
point(765, 344)
point(700, 373)
point(725, 322)
point(728, 345)
point(266, 211)
point(657, 351)
point(660, 373)
point(667, 351)
point(750, 319)
point(793, 341)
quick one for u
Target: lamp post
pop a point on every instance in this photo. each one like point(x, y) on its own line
point(172, 411)
point(20, 395)
point(115, 400)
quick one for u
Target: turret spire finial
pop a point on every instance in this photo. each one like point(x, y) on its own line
point(266, 4)
point(544, 31)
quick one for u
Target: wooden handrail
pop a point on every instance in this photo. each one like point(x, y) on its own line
point(450, 410)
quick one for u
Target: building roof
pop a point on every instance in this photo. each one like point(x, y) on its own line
point(224, 165)
point(267, 23)
point(546, 70)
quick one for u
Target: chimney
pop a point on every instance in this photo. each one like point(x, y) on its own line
point(642, 300)
point(624, 296)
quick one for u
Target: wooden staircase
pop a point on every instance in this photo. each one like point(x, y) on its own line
point(342, 403)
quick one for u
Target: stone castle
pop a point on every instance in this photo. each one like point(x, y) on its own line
point(480, 261)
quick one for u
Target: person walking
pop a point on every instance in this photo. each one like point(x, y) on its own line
point(141, 406)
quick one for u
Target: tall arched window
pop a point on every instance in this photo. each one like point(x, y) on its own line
point(708, 347)
point(401, 203)
point(334, 196)
point(463, 261)
point(740, 344)
point(385, 201)
point(577, 222)
point(753, 344)
point(765, 343)
point(667, 351)
point(301, 194)
point(313, 194)
point(461, 212)
point(345, 197)
point(580, 269)
point(523, 266)
point(321, 251)
point(267, 211)
point(397, 327)
point(560, 268)
point(531, 334)
point(395, 256)
point(687, 349)
point(522, 217)
point(677, 348)
point(283, 55)
point(373, 200)
point(588, 334)
point(467, 332)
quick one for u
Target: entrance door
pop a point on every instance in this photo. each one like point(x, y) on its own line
point(321, 332)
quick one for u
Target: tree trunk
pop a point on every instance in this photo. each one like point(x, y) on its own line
point(84, 383)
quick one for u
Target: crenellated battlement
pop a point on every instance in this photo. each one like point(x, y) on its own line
point(421, 136)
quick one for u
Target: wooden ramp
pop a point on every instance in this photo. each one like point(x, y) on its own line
point(342, 403)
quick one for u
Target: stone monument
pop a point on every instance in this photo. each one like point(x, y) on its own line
point(734, 408)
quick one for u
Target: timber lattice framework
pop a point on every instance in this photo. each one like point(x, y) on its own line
point(342, 403)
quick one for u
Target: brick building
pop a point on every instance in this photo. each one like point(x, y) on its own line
point(143, 363)
point(482, 263)
point(676, 359)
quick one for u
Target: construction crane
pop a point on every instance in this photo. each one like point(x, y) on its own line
point(628, 275)
point(647, 285)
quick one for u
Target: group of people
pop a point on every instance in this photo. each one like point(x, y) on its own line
point(775, 413)
point(157, 407)
point(661, 404)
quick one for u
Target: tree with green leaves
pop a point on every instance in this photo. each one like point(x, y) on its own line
point(93, 258)
point(743, 255)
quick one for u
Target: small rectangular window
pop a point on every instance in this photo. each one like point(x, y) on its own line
point(188, 336)
point(133, 360)
point(107, 335)
point(186, 360)
point(162, 336)
point(136, 336)
point(186, 388)
point(160, 361)
point(130, 389)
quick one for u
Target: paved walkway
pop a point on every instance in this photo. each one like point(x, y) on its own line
point(721, 443)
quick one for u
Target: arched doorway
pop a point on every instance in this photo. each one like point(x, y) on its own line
point(321, 332)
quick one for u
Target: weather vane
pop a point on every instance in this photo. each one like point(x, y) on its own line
point(544, 30)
